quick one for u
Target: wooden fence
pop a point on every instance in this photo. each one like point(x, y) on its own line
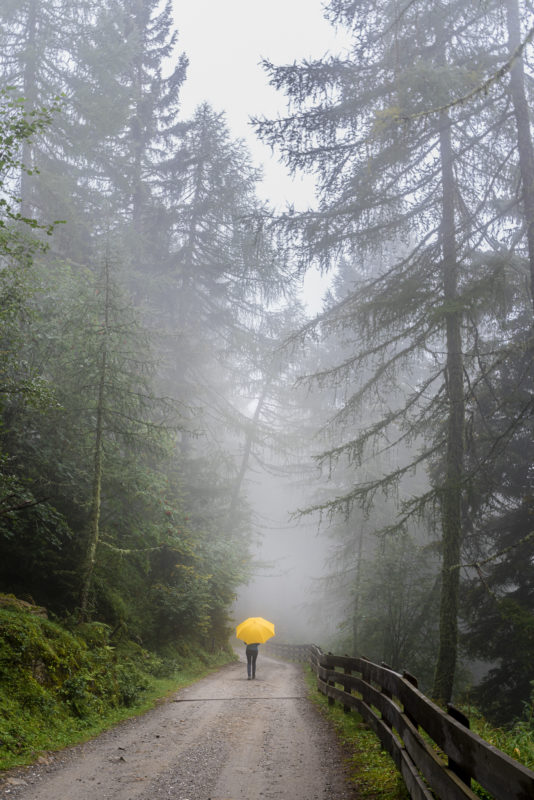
point(436, 753)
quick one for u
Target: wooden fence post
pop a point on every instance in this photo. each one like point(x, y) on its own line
point(386, 693)
point(459, 716)
point(331, 700)
point(347, 671)
point(413, 680)
point(424, 771)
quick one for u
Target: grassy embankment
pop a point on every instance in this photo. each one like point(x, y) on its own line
point(61, 687)
point(373, 771)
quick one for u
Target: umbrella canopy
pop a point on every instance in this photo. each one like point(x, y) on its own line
point(255, 629)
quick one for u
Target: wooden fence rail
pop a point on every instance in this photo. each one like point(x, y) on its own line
point(436, 753)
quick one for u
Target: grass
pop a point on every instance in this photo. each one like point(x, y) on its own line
point(371, 770)
point(517, 741)
point(59, 688)
point(37, 735)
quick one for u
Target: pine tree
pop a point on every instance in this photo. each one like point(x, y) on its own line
point(523, 127)
point(397, 161)
point(19, 384)
point(220, 273)
point(34, 60)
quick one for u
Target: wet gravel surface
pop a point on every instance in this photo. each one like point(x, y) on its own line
point(224, 738)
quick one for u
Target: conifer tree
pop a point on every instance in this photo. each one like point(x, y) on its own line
point(219, 275)
point(397, 163)
point(19, 384)
point(523, 134)
point(499, 599)
point(36, 58)
point(150, 132)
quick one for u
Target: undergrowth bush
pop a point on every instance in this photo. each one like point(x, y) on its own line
point(517, 740)
point(58, 686)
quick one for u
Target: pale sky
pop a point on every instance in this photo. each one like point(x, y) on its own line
point(224, 41)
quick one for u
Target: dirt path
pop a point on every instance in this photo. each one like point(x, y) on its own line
point(225, 738)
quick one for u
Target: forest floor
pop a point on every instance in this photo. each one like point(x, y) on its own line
point(223, 738)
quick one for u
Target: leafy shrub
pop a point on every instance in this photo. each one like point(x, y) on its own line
point(43, 664)
point(57, 685)
point(131, 683)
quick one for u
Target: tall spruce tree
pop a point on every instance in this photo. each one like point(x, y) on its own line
point(152, 75)
point(499, 599)
point(359, 559)
point(39, 52)
point(397, 160)
point(220, 272)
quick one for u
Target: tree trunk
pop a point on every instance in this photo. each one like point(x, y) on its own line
point(187, 257)
point(93, 533)
point(249, 439)
point(524, 137)
point(94, 527)
point(30, 96)
point(357, 591)
point(452, 490)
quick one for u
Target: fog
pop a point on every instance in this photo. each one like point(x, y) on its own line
point(154, 287)
point(225, 70)
point(288, 557)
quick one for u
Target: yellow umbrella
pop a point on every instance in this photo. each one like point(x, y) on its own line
point(254, 629)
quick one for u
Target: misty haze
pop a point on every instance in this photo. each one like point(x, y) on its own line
point(266, 326)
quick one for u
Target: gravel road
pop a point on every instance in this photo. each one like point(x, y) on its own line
point(224, 738)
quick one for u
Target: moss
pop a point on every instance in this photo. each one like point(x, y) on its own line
point(60, 687)
point(371, 769)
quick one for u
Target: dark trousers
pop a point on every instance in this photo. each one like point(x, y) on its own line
point(251, 664)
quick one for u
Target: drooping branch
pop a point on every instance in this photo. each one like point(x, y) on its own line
point(482, 88)
point(480, 563)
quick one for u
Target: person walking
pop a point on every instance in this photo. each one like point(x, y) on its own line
point(252, 655)
point(254, 631)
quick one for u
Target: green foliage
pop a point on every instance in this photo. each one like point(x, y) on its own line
point(18, 124)
point(515, 740)
point(166, 205)
point(372, 770)
point(59, 686)
point(17, 249)
point(499, 599)
point(398, 606)
point(39, 655)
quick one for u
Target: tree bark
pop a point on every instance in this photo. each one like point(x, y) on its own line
point(93, 533)
point(249, 439)
point(524, 136)
point(357, 592)
point(30, 96)
point(452, 490)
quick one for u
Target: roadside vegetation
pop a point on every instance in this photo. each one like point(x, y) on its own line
point(516, 740)
point(372, 769)
point(164, 390)
point(59, 687)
